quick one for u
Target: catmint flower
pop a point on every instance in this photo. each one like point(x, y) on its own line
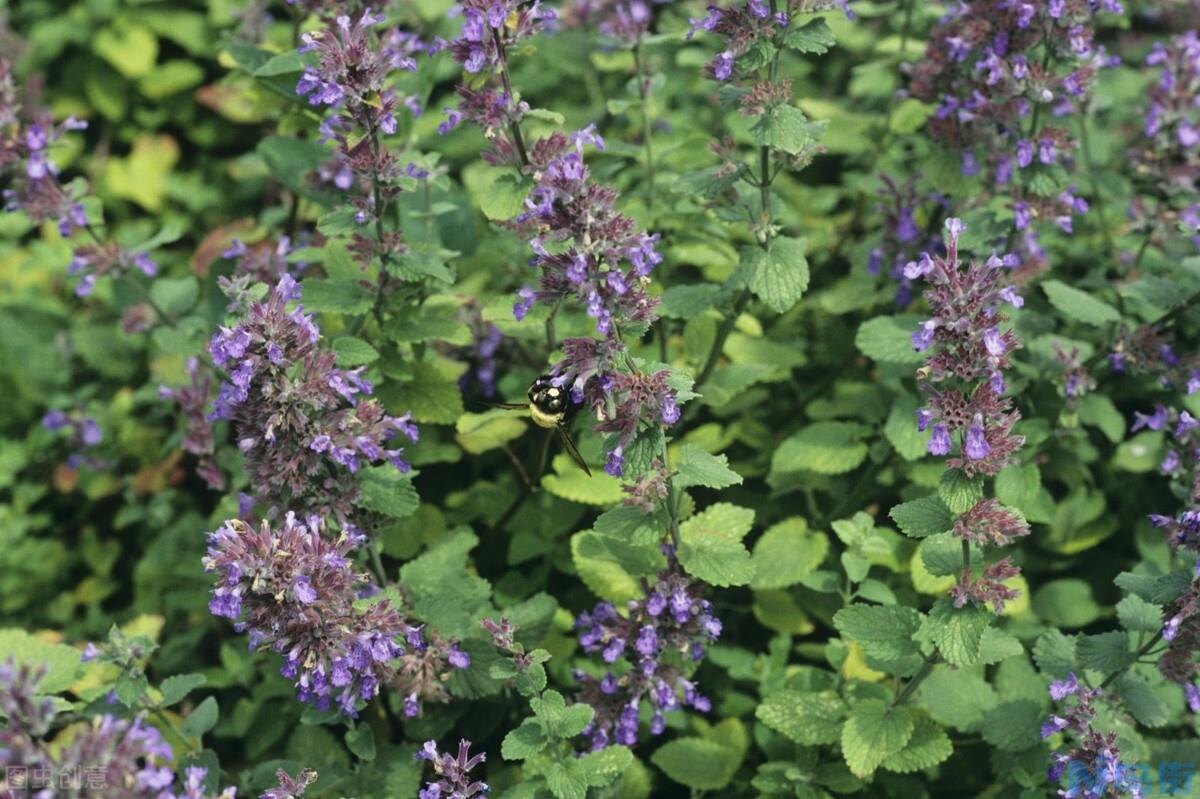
point(298, 419)
point(668, 629)
point(289, 787)
point(296, 592)
point(84, 434)
point(1093, 763)
point(626, 21)
point(453, 773)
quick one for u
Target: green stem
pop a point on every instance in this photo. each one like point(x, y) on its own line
point(643, 93)
point(915, 682)
point(513, 127)
point(1143, 650)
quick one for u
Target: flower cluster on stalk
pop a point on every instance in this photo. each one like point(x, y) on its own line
point(1004, 75)
point(626, 21)
point(1169, 158)
point(300, 422)
point(1093, 766)
point(969, 418)
point(83, 432)
point(662, 636)
point(902, 239)
point(105, 755)
point(35, 188)
point(453, 780)
point(296, 592)
point(192, 403)
point(483, 355)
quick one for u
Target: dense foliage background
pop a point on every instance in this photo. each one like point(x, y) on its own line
point(875, 324)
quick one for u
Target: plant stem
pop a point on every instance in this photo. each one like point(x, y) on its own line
point(1146, 647)
point(142, 290)
point(643, 93)
point(513, 127)
point(914, 682)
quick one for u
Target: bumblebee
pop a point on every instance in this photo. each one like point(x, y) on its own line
point(550, 407)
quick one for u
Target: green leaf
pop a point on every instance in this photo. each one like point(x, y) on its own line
point(909, 116)
point(572, 484)
point(1079, 305)
point(959, 492)
point(525, 741)
point(1106, 652)
point(888, 339)
point(711, 546)
point(778, 276)
point(62, 662)
point(813, 37)
point(697, 763)
point(480, 432)
point(131, 687)
point(1099, 411)
point(1138, 615)
point(873, 733)
point(885, 633)
point(202, 719)
point(602, 767)
point(171, 78)
point(901, 430)
point(386, 490)
point(174, 689)
point(928, 746)
point(1054, 654)
point(685, 302)
point(786, 128)
point(1014, 726)
point(956, 632)
point(787, 553)
point(505, 197)
point(351, 351)
point(808, 718)
point(132, 49)
point(1160, 588)
point(557, 718)
point(343, 296)
point(430, 396)
point(823, 447)
point(360, 740)
point(1141, 701)
point(958, 698)
point(697, 467)
point(566, 780)
point(922, 517)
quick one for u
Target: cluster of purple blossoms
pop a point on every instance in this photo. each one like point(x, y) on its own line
point(1147, 350)
point(290, 787)
point(297, 593)
point(299, 420)
point(1076, 379)
point(482, 355)
point(192, 402)
point(351, 78)
point(746, 26)
point(990, 85)
point(963, 380)
point(264, 262)
point(84, 434)
point(627, 21)
point(490, 27)
point(662, 636)
point(453, 772)
point(121, 758)
point(1093, 767)
point(1183, 443)
point(623, 402)
point(580, 240)
point(1170, 156)
point(37, 191)
point(902, 239)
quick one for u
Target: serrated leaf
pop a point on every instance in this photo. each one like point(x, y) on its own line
point(711, 546)
point(813, 37)
point(604, 766)
point(902, 433)
point(959, 492)
point(823, 447)
point(386, 490)
point(342, 296)
point(928, 746)
point(350, 351)
point(1106, 652)
point(202, 719)
point(884, 632)
point(1014, 726)
point(787, 553)
point(524, 741)
point(1141, 701)
point(922, 517)
point(1078, 305)
point(505, 197)
point(787, 129)
point(873, 733)
point(1054, 654)
point(888, 339)
point(778, 276)
point(698, 467)
point(61, 661)
point(956, 632)
point(808, 718)
point(958, 698)
point(1138, 615)
point(686, 302)
point(174, 689)
point(430, 396)
point(572, 483)
point(697, 763)
point(360, 740)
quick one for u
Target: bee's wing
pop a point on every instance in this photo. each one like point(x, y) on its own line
point(569, 446)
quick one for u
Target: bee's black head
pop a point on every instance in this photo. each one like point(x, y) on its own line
point(547, 397)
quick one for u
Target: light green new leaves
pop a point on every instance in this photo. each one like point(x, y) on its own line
point(810, 718)
point(352, 351)
point(61, 661)
point(700, 468)
point(928, 746)
point(557, 718)
point(479, 432)
point(387, 491)
point(1079, 305)
point(823, 447)
point(787, 553)
point(779, 275)
point(698, 763)
point(885, 633)
point(959, 492)
point(711, 545)
point(787, 129)
point(873, 733)
point(888, 339)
